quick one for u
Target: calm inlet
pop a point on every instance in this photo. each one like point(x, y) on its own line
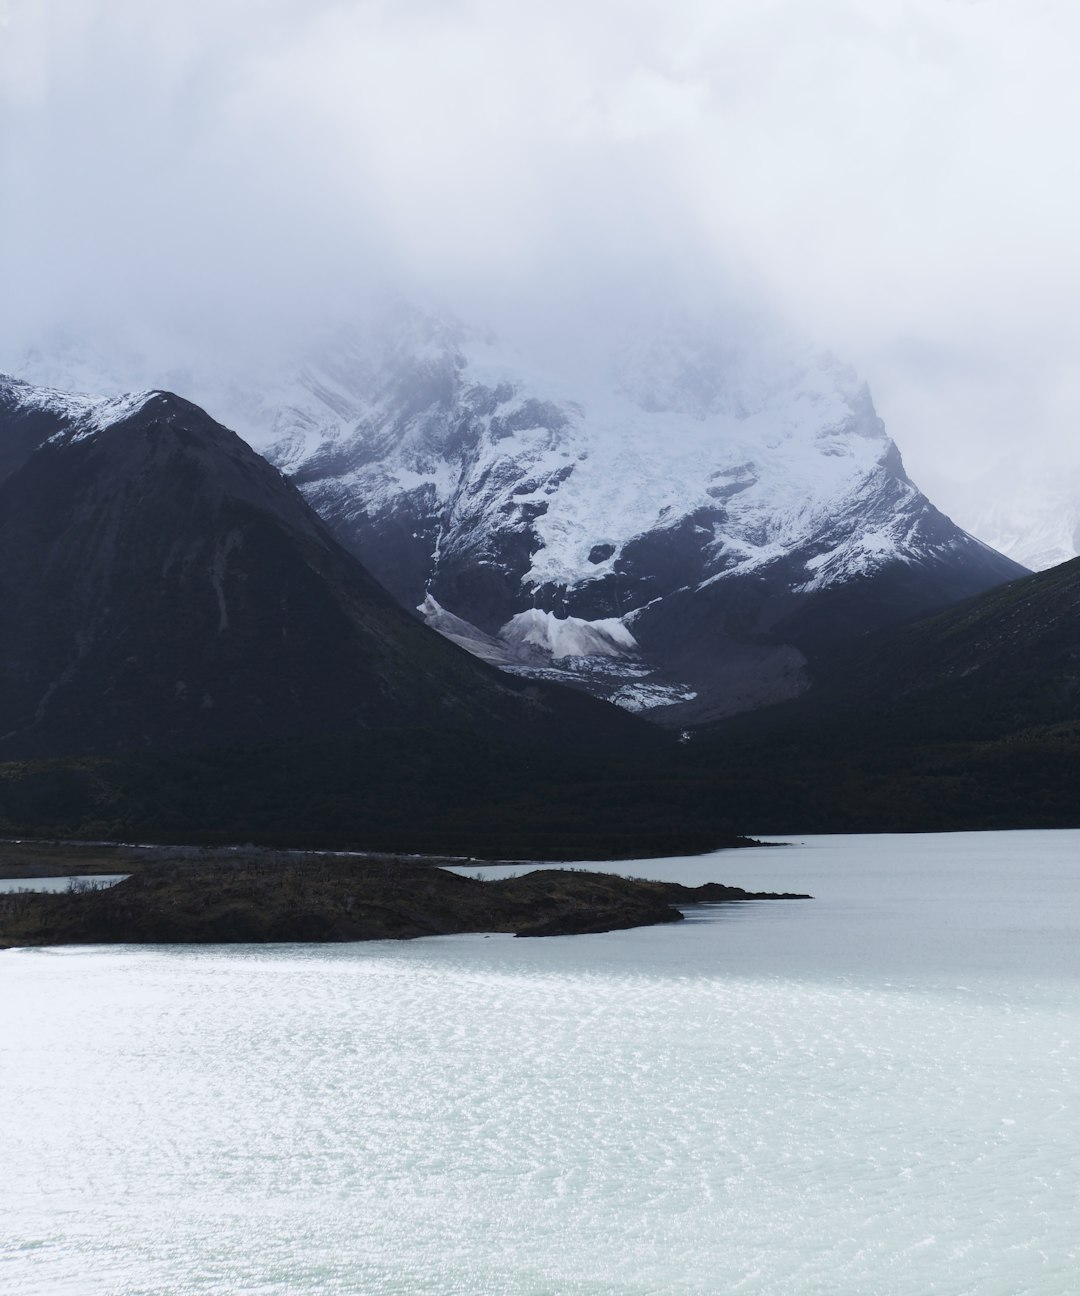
point(871, 1092)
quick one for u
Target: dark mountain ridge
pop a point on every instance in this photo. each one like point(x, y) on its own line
point(1005, 660)
point(966, 719)
point(164, 588)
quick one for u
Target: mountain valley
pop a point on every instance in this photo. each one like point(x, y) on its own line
point(197, 649)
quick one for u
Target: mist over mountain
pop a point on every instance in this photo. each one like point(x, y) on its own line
point(654, 226)
point(886, 177)
point(1028, 508)
point(675, 517)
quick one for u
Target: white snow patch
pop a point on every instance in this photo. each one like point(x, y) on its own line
point(464, 633)
point(602, 652)
point(560, 637)
point(646, 696)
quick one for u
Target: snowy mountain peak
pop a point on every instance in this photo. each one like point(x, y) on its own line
point(84, 414)
point(747, 452)
point(559, 514)
point(434, 417)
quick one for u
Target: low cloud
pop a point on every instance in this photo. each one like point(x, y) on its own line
point(896, 177)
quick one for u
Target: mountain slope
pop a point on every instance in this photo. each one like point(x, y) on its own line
point(968, 719)
point(697, 515)
point(1006, 661)
point(164, 587)
point(680, 519)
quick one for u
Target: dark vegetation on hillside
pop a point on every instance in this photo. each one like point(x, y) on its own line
point(856, 777)
point(968, 719)
point(850, 775)
point(408, 791)
point(1004, 662)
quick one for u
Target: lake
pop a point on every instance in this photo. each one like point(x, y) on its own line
point(90, 881)
point(873, 1092)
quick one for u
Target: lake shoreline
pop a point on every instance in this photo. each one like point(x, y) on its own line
point(33, 858)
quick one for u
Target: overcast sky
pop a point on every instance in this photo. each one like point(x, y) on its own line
point(897, 177)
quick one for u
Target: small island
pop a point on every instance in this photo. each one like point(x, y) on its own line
point(255, 899)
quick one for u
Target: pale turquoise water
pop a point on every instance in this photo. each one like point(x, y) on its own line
point(872, 1093)
point(60, 883)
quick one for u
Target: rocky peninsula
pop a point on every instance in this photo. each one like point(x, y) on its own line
point(257, 899)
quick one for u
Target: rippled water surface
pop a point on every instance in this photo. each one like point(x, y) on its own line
point(872, 1093)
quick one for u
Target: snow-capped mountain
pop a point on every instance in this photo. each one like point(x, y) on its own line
point(678, 520)
point(669, 528)
point(164, 587)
